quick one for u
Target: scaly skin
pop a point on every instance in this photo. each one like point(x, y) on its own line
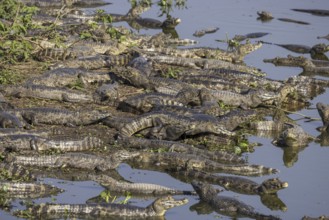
point(46, 92)
point(251, 99)
point(15, 171)
point(147, 101)
point(175, 160)
point(54, 54)
point(268, 128)
point(202, 63)
point(58, 116)
point(238, 184)
point(174, 146)
point(19, 142)
point(62, 77)
point(226, 205)
point(69, 144)
point(136, 188)
point(239, 80)
point(188, 126)
point(202, 52)
point(9, 121)
point(157, 208)
point(76, 160)
point(27, 190)
point(294, 136)
point(138, 79)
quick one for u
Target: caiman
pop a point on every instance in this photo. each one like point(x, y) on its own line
point(250, 35)
point(305, 63)
point(55, 54)
point(320, 12)
point(293, 21)
point(68, 144)
point(209, 30)
point(138, 79)
point(306, 87)
point(157, 208)
point(59, 116)
point(268, 128)
point(227, 205)
point(324, 114)
point(238, 80)
point(170, 22)
point(250, 99)
point(236, 183)
point(204, 52)
point(294, 136)
point(203, 63)
point(19, 142)
point(317, 51)
point(62, 77)
point(322, 217)
point(8, 120)
point(174, 160)
point(147, 101)
point(15, 171)
point(174, 146)
point(27, 190)
point(136, 188)
point(264, 15)
point(46, 92)
point(173, 126)
point(75, 160)
point(297, 48)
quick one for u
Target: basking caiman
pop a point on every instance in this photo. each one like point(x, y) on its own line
point(227, 205)
point(27, 190)
point(157, 208)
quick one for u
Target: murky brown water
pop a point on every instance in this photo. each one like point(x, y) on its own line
point(307, 174)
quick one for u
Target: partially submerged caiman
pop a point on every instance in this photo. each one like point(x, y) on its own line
point(226, 205)
point(308, 65)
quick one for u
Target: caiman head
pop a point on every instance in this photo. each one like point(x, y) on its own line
point(294, 137)
point(161, 205)
point(204, 190)
point(247, 48)
point(171, 22)
point(272, 186)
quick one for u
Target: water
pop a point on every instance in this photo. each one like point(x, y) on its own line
point(308, 176)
